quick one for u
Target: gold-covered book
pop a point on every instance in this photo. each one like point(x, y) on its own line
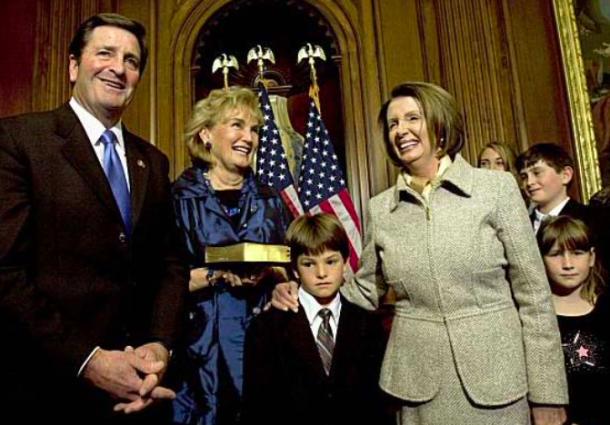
point(248, 252)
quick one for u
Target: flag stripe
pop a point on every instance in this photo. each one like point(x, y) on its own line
point(322, 185)
point(291, 199)
point(349, 206)
point(354, 237)
point(350, 227)
point(271, 164)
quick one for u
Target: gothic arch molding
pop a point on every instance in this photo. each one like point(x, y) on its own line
point(359, 101)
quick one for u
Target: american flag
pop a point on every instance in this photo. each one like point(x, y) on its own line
point(271, 165)
point(322, 187)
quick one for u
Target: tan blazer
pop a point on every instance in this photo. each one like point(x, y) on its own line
point(465, 267)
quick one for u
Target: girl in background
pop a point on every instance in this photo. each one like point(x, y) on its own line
point(497, 156)
point(583, 312)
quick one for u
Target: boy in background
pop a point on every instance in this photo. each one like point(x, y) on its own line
point(546, 171)
point(320, 365)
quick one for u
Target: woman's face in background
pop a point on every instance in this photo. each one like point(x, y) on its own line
point(492, 160)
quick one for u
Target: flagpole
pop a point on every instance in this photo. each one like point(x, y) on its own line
point(322, 186)
point(260, 55)
point(271, 163)
point(311, 52)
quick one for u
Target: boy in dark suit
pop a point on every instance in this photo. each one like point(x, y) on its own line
point(322, 364)
point(546, 171)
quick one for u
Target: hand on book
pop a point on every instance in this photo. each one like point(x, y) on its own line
point(258, 275)
point(200, 278)
point(204, 277)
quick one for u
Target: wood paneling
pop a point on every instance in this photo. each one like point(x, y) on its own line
point(17, 44)
point(476, 68)
point(55, 24)
point(499, 58)
point(140, 117)
point(538, 67)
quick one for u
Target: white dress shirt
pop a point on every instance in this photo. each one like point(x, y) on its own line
point(94, 129)
point(444, 163)
point(312, 307)
point(539, 216)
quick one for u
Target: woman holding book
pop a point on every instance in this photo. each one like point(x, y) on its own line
point(219, 202)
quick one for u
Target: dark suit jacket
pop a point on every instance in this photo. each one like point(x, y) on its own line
point(284, 381)
point(70, 278)
point(575, 209)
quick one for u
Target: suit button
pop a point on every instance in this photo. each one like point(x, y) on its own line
point(122, 237)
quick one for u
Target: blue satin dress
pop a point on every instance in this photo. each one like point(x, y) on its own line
point(212, 357)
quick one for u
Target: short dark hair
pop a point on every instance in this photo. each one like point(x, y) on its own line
point(552, 154)
point(314, 234)
point(83, 33)
point(443, 119)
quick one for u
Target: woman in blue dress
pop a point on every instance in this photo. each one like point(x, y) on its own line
point(219, 202)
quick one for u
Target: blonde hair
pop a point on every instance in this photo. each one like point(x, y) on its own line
point(212, 110)
point(572, 234)
point(505, 152)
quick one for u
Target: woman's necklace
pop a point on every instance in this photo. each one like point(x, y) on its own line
point(219, 184)
point(231, 211)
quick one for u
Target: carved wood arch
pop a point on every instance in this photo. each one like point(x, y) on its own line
point(359, 84)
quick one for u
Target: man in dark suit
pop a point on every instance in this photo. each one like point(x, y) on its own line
point(91, 283)
point(321, 365)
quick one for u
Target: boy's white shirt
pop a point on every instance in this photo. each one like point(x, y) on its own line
point(539, 216)
point(311, 306)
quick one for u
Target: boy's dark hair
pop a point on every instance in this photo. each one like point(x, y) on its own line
point(314, 234)
point(83, 33)
point(553, 155)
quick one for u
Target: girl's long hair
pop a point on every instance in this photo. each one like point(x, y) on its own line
point(572, 234)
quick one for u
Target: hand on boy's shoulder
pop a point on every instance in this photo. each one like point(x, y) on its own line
point(285, 296)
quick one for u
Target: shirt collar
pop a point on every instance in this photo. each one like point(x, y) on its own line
point(312, 307)
point(444, 163)
point(554, 212)
point(458, 174)
point(93, 127)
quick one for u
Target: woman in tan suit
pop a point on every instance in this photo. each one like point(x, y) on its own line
point(474, 339)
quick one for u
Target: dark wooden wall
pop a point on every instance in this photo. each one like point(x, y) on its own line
point(499, 58)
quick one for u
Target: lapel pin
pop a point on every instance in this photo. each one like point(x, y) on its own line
point(141, 163)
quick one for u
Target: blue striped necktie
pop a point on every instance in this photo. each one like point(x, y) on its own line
point(325, 341)
point(116, 177)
